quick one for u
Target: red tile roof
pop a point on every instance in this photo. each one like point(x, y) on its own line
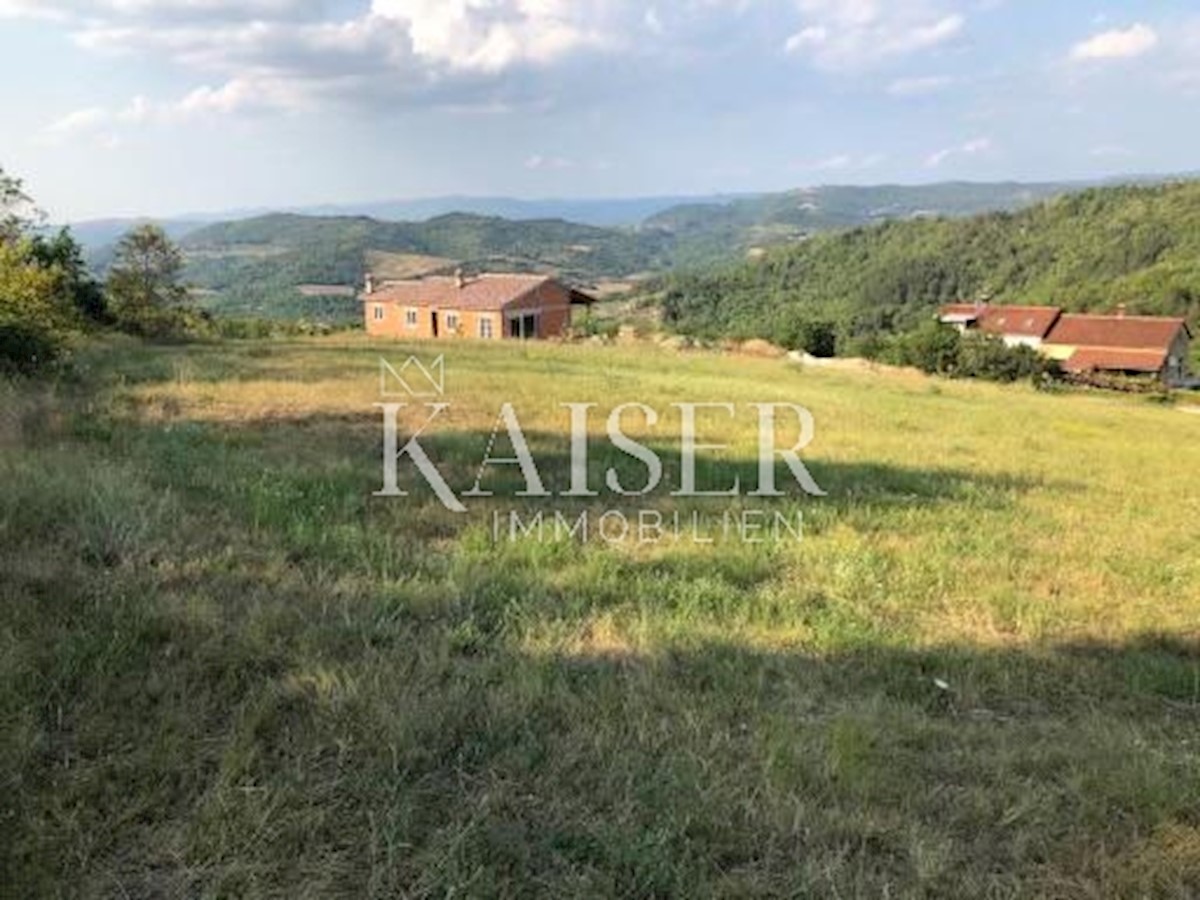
point(478, 293)
point(1019, 321)
point(1129, 332)
point(1115, 359)
point(967, 311)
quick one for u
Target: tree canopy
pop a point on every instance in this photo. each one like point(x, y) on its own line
point(145, 288)
point(45, 289)
point(1089, 251)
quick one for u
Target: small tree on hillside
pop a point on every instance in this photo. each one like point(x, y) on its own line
point(39, 292)
point(81, 293)
point(145, 290)
point(31, 321)
point(17, 211)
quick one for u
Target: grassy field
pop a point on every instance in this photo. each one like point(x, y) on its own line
point(227, 670)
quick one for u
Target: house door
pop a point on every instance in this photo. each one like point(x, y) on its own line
point(435, 323)
point(523, 327)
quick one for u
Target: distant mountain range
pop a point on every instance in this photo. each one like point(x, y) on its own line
point(821, 208)
point(603, 213)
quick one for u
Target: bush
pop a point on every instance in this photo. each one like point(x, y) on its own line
point(33, 322)
point(986, 357)
point(941, 350)
point(933, 348)
point(816, 338)
point(26, 347)
point(872, 345)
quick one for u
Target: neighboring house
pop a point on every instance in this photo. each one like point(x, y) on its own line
point(963, 316)
point(1121, 344)
point(1085, 344)
point(488, 307)
point(1015, 325)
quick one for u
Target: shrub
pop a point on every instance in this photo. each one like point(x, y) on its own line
point(873, 345)
point(933, 348)
point(26, 347)
point(941, 350)
point(981, 356)
point(32, 323)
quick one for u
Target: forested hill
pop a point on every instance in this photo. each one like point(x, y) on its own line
point(1091, 250)
point(331, 249)
point(255, 265)
point(290, 265)
point(259, 265)
point(705, 230)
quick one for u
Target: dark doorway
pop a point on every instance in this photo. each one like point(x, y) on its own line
point(523, 327)
point(435, 323)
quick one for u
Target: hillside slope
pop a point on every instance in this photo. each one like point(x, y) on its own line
point(707, 229)
point(230, 671)
point(1091, 250)
point(256, 265)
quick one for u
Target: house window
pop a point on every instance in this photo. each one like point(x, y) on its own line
point(378, 313)
point(410, 318)
point(452, 321)
point(485, 328)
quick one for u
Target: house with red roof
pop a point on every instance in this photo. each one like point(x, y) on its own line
point(1015, 325)
point(1121, 344)
point(1085, 345)
point(485, 307)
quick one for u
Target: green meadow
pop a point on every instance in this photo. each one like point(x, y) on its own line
point(228, 670)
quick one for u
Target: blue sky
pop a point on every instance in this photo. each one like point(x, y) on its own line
point(167, 106)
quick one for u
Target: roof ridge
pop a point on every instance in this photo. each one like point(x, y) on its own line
point(1126, 317)
point(1025, 306)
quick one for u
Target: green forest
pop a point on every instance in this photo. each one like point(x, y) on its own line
point(253, 267)
point(1091, 250)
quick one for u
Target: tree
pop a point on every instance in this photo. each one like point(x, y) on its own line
point(144, 287)
point(17, 211)
point(80, 290)
point(36, 300)
point(31, 322)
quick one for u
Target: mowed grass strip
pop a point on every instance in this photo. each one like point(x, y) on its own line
point(227, 670)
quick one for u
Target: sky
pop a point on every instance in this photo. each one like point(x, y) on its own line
point(161, 107)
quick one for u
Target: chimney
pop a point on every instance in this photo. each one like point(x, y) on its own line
point(1121, 311)
point(460, 278)
point(370, 284)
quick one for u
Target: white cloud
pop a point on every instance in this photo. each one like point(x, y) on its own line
point(81, 120)
point(920, 86)
point(973, 147)
point(1116, 44)
point(493, 35)
point(254, 55)
point(538, 162)
point(237, 96)
point(852, 34)
point(159, 11)
point(834, 163)
point(1111, 151)
point(841, 162)
point(654, 22)
point(812, 36)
